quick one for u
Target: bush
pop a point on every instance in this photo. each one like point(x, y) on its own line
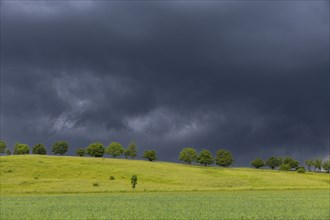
point(111, 178)
point(301, 170)
point(21, 148)
point(96, 184)
point(133, 181)
point(285, 167)
point(95, 150)
point(188, 155)
point(81, 152)
point(39, 149)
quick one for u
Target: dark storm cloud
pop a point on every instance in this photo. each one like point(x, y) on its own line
point(251, 77)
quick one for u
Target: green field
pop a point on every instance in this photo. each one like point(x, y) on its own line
point(286, 204)
point(53, 187)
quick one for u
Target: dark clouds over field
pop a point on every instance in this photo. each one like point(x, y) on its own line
point(252, 77)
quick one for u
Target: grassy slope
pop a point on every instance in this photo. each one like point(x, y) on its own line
point(54, 174)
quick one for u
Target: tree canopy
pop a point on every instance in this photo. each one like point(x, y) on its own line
point(115, 149)
point(150, 155)
point(188, 155)
point(257, 163)
point(205, 157)
point(95, 149)
point(273, 162)
point(39, 149)
point(3, 146)
point(224, 158)
point(60, 147)
point(131, 150)
point(21, 148)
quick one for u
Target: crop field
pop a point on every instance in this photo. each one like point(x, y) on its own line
point(53, 187)
point(282, 204)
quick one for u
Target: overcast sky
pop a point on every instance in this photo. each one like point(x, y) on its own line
point(248, 76)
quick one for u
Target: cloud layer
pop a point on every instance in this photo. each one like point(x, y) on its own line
point(250, 77)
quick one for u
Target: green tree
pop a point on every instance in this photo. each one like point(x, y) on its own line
point(326, 166)
point(257, 163)
point(205, 157)
point(21, 148)
point(318, 164)
point(224, 158)
point(309, 164)
point(291, 162)
point(131, 150)
point(8, 152)
point(115, 149)
point(60, 147)
point(150, 155)
point(188, 155)
point(273, 162)
point(3, 146)
point(281, 160)
point(133, 181)
point(81, 152)
point(39, 149)
point(95, 150)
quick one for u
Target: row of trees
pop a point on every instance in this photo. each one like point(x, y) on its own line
point(288, 163)
point(189, 155)
point(222, 158)
point(97, 149)
point(58, 148)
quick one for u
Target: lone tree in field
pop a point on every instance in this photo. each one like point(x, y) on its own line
point(292, 163)
point(95, 150)
point(224, 158)
point(3, 146)
point(257, 163)
point(188, 155)
point(273, 162)
point(133, 181)
point(131, 150)
point(39, 149)
point(21, 148)
point(318, 164)
point(115, 149)
point(81, 152)
point(309, 164)
point(326, 166)
point(205, 157)
point(150, 155)
point(60, 147)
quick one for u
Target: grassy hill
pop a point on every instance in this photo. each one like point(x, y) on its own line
point(62, 174)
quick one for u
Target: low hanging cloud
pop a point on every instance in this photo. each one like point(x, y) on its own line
point(249, 77)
